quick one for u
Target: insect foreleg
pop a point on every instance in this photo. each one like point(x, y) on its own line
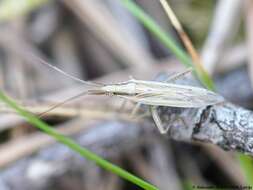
point(138, 105)
point(136, 109)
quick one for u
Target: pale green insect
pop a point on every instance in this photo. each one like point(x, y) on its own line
point(150, 93)
point(162, 94)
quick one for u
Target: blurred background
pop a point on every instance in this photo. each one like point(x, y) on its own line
point(100, 40)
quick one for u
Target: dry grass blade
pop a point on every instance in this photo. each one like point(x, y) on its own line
point(249, 30)
point(28, 144)
point(95, 15)
point(225, 25)
point(186, 40)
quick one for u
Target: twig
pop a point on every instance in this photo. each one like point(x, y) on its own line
point(233, 58)
point(226, 125)
point(15, 68)
point(120, 137)
point(249, 30)
point(64, 52)
point(224, 25)
point(161, 159)
point(102, 23)
point(89, 111)
point(159, 168)
point(14, 42)
point(26, 145)
point(197, 62)
point(227, 162)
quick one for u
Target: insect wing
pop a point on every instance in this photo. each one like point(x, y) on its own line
point(164, 94)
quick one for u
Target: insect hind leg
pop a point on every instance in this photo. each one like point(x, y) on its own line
point(153, 109)
point(157, 120)
point(177, 76)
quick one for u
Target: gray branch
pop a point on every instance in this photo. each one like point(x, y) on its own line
point(226, 125)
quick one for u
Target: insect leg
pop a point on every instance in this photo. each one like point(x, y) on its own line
point(157, 120)
point(178, 75)
point(136, 109)
point(122, 105)
point(138, 105)
point(169, 79)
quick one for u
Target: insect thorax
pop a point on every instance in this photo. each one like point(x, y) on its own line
point(128, 88)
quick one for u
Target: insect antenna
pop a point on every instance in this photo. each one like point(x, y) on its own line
point(88, 83)
point(87, 92)
point(62, 103)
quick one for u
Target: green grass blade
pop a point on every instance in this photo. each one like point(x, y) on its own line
point(205, 79)
point(77, 148)
point(187, 185)
point(162, 36)
point(246, 164)
point(166, 40)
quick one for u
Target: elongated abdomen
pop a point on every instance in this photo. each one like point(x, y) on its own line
point(164, 94)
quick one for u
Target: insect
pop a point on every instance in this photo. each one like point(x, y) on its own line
point(150, 93)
